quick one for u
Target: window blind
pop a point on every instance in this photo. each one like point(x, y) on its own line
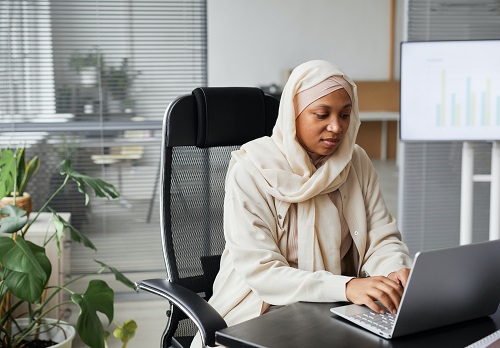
point(430, 173)
point(90, 80)
point(430, 20)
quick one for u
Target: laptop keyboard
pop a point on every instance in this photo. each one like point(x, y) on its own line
point(383, 322)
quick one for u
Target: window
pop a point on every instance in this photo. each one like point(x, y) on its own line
point(90, 80)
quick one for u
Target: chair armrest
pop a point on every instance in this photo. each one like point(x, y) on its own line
point(204, 316)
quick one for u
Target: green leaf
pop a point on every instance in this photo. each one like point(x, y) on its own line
point(8, 170)
point(3, 288)
point(26, 268)
point(61, 225)
point(100, 187)
point(118, 275)
point(126, 332)
point(98, 297)
point(21, 167)
point(15, 172)
point(21, 256)
point(15, 220)
point(30, 170)
point(24, 286)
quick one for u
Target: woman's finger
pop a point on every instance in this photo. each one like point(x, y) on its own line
point(387, 294)
point(368, 290)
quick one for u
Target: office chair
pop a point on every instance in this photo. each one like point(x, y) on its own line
point(200, 131)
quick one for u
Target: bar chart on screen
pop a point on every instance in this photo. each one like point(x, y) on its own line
point(450, 91)
point(468, 103)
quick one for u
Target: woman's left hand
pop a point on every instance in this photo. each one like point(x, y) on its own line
point(400, 276)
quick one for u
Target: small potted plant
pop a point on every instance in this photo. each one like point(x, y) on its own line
point(15, 174)
point(88, 66)
point(118, 80)
point(25, 270)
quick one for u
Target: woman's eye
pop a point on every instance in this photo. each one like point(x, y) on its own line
point(344, 116)
point(322, 116)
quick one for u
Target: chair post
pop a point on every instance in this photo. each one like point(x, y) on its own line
point(206, 194)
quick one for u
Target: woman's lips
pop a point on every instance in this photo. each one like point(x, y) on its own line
point(330, 142)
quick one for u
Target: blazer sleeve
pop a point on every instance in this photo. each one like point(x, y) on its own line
point(252, 238)
point(385, 250)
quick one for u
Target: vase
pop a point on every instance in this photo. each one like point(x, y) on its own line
point(88, 76)
point(62, 332)
point(24, 202)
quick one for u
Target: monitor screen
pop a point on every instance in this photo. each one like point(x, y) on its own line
point(450, 91)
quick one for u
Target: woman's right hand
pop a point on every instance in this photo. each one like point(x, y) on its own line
point(365, 291)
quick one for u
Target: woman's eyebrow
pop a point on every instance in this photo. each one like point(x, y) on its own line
point(348, 105)
point(322, 106)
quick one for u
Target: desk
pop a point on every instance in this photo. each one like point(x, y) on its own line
point(313, 325)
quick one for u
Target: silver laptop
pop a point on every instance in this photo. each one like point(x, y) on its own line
point(445, 286)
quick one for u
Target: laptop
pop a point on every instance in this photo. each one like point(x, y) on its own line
point(445, 286)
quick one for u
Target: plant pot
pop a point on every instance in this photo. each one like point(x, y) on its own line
point(24, 202)
point(88, 76)
point(63, 333)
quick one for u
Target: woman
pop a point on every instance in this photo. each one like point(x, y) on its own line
point(304, 217)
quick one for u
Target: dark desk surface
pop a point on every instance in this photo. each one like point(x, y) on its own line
point(313, 325)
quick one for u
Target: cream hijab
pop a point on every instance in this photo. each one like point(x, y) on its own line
point(284, 170)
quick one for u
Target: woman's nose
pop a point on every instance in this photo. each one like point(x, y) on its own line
point(333, 126)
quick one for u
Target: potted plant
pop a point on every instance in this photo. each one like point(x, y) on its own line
point(15, 174)
point(118, 82)
point(25, 270)
point(87, 65)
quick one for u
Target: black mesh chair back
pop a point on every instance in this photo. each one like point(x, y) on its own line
point(200, 132)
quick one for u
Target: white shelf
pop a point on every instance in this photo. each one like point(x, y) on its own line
point(378, 116)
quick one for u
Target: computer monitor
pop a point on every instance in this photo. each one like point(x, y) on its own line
point(450, 91)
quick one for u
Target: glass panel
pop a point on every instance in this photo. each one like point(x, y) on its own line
point(90, 81)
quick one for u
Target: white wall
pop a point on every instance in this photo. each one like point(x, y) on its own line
point(254, 42)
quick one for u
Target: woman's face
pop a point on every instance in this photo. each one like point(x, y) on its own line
point(323, 123)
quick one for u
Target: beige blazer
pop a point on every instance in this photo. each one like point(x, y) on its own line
point(254, 272)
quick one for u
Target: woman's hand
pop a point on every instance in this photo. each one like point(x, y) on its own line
point(365, 291)
point(400, 276)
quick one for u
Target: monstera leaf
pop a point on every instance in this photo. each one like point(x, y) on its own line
point(13, 219)
point(26, 268)
point(100, 187)
point(98, 297)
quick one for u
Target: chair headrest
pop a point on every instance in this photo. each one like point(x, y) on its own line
point(231, 115)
